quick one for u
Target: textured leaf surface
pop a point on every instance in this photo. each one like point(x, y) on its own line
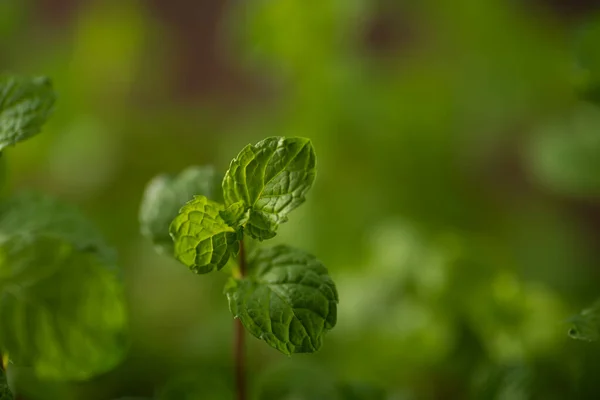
point(586, 325)
point(203, 241)
point(61, 309)
point(236, 214)
point(289, 301)
point(270, 179)
point(163, 198)
point(25, 104)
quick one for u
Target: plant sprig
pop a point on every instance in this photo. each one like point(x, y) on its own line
point(286, 297)
point(282, 295)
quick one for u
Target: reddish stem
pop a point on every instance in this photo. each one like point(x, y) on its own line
point(240, 367)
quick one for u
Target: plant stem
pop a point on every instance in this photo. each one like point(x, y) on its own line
point(238, 350)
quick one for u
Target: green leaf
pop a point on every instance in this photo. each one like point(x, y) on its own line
point(25, 105)
point(163, 198)
point(269, 179)
point(289, 301)
point(61, 309)
point(31, 214)
point(586, 325)
point(61, 306)
point(203, 241)
point(236, 214)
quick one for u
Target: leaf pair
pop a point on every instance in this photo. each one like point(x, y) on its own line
point(287, 299)
point(264, 183)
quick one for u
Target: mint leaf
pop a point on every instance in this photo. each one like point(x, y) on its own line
point(563, 152)
point(203, 241)
point(586, 325)
point(30, 215)
point(270, 179)
point(289, 301)
point(236, 214)
point(56, 273)
point(163, 198)
point(25, 105)
point(61, 309)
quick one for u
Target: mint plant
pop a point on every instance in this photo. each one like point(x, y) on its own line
point(62, 309)
point(281, 295)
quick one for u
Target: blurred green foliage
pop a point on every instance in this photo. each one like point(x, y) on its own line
point(456, 204)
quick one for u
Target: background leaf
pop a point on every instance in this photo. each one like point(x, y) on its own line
point(61, 309)
point(163, 198)
point(586, 325)
point(25, 104)
point(30, 214)
point(271, 178)
point(288, 300)
point(203, 241)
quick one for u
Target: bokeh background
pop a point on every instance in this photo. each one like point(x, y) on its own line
point(457, 203)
